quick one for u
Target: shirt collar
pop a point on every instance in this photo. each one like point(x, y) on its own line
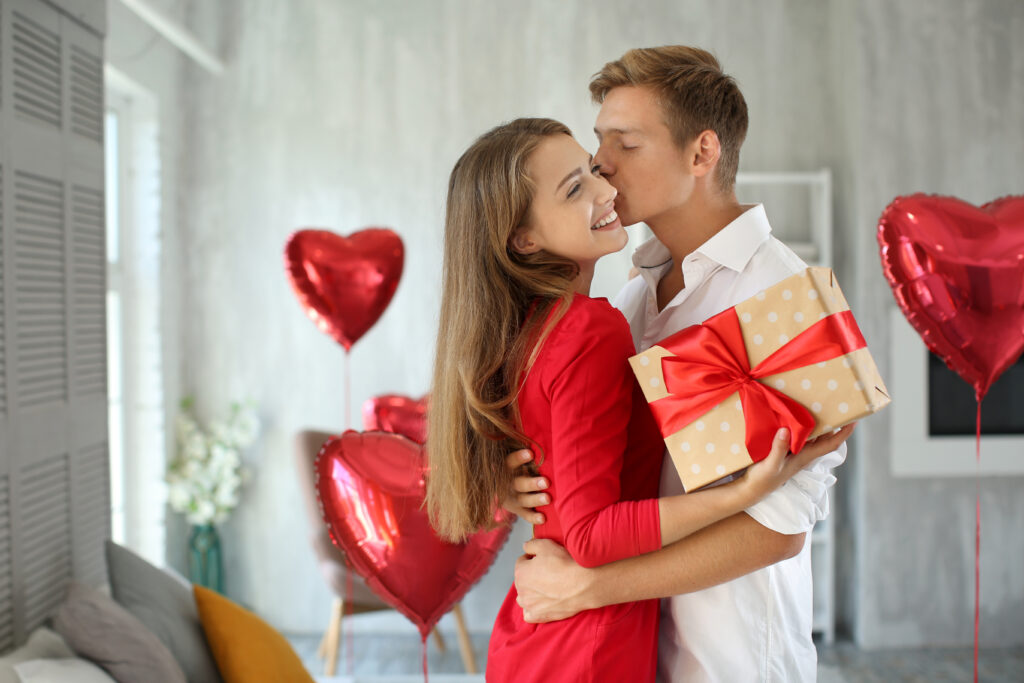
point(735, 244)
point(732, 246)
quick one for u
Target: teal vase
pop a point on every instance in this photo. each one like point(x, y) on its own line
point(204, 562)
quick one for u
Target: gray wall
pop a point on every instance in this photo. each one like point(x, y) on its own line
point(936, 105)
point(351, 114)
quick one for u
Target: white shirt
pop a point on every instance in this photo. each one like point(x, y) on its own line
point(756, 627)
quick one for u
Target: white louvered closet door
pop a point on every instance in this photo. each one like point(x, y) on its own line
point(54, 493)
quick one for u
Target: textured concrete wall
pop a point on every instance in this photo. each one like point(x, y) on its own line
point(937, 106)
point(351, 114)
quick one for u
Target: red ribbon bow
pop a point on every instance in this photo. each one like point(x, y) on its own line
point(710, 364)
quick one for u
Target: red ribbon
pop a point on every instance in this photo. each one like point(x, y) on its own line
point(711, 363)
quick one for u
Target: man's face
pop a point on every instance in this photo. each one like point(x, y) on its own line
point(638, 156)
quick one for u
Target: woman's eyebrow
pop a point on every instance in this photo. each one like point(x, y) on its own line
point(573, 173)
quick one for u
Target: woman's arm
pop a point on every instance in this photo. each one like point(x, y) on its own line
point(684, 514)
point(588, 383)
point(551, 586)
point(590, 388)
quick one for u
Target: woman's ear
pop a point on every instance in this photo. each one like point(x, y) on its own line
point(522, 241)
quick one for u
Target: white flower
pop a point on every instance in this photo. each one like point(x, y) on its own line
point(205, 477)
point(179, 496)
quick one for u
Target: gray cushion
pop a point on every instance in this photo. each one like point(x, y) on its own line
point(42, 644)
point(61, 671)
point(163, 601)
point(99, 629)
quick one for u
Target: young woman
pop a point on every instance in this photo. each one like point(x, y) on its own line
point(526, 359)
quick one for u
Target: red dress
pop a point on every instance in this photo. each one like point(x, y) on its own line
point(602, 454)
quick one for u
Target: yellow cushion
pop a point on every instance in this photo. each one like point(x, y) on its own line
point(247, 649)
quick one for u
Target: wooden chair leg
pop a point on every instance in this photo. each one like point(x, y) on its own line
point(438, 640)
point(321, 650)
point(333, 637)
point(465, 644)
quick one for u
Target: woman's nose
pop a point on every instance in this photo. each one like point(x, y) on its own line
point(608, 192)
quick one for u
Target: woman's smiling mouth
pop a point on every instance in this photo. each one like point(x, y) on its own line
point(608, 219)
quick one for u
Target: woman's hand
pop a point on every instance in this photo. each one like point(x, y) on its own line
point(526, 491)
point(765, 476)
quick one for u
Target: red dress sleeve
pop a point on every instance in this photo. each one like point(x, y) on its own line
point(590, 387)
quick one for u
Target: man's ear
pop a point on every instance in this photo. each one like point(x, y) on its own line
point(707, 150)
point(522, 241)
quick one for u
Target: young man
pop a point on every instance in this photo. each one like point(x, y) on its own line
point(670, 129)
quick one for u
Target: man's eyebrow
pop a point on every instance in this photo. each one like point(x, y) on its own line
point(620, 131)
point(573, 173)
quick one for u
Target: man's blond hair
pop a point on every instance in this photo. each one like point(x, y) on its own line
point(694, 93)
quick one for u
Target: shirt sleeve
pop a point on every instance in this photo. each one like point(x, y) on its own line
point(797, 505)
point(591, 397)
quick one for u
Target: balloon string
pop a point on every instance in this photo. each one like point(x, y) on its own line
point(977, 535)
point(349, 636)
point(348, 395)
point(426, 678)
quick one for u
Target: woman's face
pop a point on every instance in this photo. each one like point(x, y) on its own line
point(572, 214)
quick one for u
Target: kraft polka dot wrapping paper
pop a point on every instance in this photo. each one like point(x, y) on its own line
point(836, 391)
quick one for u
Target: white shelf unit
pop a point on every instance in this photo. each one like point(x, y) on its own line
point(799, 207)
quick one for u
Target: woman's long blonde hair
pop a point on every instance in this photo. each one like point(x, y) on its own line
point(493, 304)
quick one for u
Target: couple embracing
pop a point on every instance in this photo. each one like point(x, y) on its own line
point(527, 360)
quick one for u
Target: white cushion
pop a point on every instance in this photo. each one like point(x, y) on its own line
point(42, 644)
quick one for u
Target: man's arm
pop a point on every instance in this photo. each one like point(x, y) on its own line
point(551, 586)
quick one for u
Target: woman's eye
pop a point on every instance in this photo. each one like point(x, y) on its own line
point(596, 169)
point(575, 188)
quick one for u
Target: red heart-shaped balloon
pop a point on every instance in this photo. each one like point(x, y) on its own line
point(398, 415)
point(371, 487)
point(344, 283)
point(957, 272)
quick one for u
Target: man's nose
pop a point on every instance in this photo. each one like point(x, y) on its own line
point(604, 160)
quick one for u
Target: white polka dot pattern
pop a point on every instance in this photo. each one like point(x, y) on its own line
point(837, 391)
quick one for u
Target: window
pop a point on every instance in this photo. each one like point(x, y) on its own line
point(136, 415)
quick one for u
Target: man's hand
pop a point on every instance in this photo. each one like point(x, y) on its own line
point(550, 584)
point(525, 493)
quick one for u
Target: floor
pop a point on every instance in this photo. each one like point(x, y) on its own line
point(398, 659)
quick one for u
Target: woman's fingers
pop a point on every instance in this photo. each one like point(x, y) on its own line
point(780, 448)
point(826, 443)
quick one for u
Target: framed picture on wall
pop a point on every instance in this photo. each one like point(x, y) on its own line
point(933, 414)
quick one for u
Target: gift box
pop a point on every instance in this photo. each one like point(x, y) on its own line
point(791, 356)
